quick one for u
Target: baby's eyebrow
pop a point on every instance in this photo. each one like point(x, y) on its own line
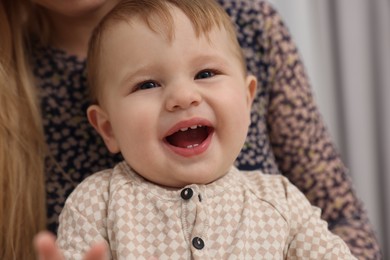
point(209, 57)
point(139, 70)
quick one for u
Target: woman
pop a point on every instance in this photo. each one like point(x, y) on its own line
point(44, 130)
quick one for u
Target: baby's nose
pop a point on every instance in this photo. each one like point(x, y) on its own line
point(182, 97)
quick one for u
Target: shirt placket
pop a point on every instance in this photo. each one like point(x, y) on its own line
point(194, 221)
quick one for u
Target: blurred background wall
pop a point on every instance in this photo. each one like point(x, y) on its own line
point(345, 46)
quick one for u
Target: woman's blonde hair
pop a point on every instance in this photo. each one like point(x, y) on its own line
point(157, 14)
point(22, 146)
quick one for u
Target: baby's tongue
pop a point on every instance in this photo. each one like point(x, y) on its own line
point(188, 138)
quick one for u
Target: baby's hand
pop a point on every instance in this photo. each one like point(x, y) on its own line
point(46, 248)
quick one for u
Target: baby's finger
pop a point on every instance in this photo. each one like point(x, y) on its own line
point(46, 248)
point(97, 252)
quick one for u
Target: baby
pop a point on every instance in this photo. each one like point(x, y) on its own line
point(172, 95)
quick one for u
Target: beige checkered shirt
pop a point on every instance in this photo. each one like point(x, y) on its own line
point(243, 215)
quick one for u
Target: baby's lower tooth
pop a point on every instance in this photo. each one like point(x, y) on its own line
point(192, 146)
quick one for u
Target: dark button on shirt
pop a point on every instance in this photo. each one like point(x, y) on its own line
point(186, 194)
point(198, 243)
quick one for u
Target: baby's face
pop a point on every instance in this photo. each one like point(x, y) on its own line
point(177, 110)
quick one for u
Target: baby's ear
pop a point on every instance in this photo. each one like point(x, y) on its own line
point(251, 84)
point(99, 119)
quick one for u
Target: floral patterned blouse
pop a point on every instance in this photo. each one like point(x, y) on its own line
point(287, 134)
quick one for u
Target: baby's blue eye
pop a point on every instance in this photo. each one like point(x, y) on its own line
point(147, 85)
point(205, 74)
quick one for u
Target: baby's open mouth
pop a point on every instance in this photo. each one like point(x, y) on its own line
point(189, 137)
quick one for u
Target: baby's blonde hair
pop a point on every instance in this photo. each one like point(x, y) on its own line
point(157, 14)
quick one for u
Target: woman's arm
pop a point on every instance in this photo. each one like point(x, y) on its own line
point(304, 150)
point(287, 127)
